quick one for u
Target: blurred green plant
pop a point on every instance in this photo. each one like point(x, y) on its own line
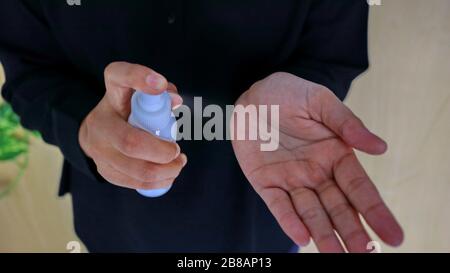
point(14, 144)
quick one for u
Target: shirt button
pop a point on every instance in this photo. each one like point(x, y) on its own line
point(171, 18)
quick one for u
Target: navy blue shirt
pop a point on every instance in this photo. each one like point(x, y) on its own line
point(54, 55)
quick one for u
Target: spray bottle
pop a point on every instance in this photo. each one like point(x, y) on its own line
point(153, 114)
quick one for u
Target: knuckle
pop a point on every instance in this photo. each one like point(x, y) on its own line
point(348, 122)
point(126, 183)
point(329, 236)
point(312, 213)
point(355, 184)
point(167, 183)
point(177, 173)
point(169, 155)
point(145, 186)
point(156, 185)
point(279, 75)
point(107, 71)
point(149, 186)
point(91, 119)
point(355, 234)
point(178, 169)
point(149, 174)
point(285, 217)
point(302, 194)
point(129, 143)
point(373, 208)
point(109, 68)
point(130, 76)
point(179, 163)
point(327, 189)
point(339, 210)
point(172, 87)
point(89, 147)
point(275, 203)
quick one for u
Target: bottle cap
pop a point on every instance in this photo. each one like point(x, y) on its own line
point(152, 113)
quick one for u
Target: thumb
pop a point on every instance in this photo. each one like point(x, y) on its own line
point(126, 76)
point(326, 108)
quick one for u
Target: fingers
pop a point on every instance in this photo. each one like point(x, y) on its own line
point(279, 203)
point(134, 76)
point(325, 107)
point(177, 100)
point(344, 217)
point(136, 143)
point(315, 218)
point(363, 195)
point(130, 157)
point(143, 170)
point(122, 180)
point(172, 88)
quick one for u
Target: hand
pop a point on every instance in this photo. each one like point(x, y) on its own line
point(313, 183)
point(126, 156)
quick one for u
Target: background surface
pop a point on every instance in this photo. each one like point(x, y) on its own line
point(404, 97)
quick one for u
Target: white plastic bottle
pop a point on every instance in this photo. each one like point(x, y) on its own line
point(153, 113)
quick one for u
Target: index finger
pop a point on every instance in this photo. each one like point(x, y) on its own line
point(362, 193)
point(134, 76)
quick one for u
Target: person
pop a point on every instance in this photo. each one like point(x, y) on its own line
point(71, 70)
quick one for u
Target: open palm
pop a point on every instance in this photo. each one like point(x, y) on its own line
point(313, 183)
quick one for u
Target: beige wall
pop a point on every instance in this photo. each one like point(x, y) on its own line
point(405, 97)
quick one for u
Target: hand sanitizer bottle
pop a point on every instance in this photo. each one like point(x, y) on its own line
point(153, 113)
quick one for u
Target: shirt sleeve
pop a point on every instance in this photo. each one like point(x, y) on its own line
point(332, 48)
point(44, 89)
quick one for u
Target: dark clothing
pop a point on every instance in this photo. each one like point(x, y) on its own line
point(54, 55)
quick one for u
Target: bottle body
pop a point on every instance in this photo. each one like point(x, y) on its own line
point(153, 114)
